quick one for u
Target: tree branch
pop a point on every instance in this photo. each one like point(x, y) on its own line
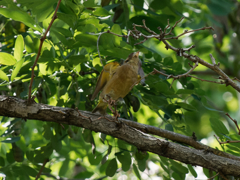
point(136, 34)
point(235, 122)
point(39, 50)
point(40, 172)
point(15, 107)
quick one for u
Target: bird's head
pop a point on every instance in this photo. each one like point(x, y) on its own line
point(133, 58)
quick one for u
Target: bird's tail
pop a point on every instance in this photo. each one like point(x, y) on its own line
point(101, 108)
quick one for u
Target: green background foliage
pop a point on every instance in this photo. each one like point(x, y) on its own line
point(67, 71)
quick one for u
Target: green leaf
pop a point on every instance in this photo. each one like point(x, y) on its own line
point(29, 170)
point(56, 143)
point(19, 47)
point(185, 91)
point(69, 19)
point(2, 162)
point(86, 40)
point(168, 61)
point(141, 158)
point(42, 9)
point(186, 106)
point(178, 176)
point(125, 160)
point(116, 52)
point(112, 6)
point(178, 167)
point(48, 150)
point(103, 137)
point(47, 132)
point(192, 170)
point(94, 159)
point(11, 140)
point(89, 3)
point(76, 59)
point(85, 175)
point(117, 29)
point(7, 59)
point(88, 137)
point(155, 4)
point(3, 76)
point(177, 66)
point(101, 12)
point(17, 14)
point(220, 7)
point(157, 57)
point(218, 127)
point(169, 127)
point(30, 155)
point(138, 3)
point(29, 44)
point(135, 169)
point(111, 168)
point(10, 158)
point(205, 104)
point(17, 68)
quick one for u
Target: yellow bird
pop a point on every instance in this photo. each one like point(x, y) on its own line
point(116, 81)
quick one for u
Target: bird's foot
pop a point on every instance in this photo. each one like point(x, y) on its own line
point(80, 114)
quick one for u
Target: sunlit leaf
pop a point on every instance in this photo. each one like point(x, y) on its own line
point(12, 11)
point(19, 47)
point(17, 68)
point(7, 59)
point(3, 76)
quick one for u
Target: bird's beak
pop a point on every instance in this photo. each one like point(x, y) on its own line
point(137, 54)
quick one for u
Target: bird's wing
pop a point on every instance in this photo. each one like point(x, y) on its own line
point(106, 74)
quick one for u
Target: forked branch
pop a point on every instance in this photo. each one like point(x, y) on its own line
point(136, 34)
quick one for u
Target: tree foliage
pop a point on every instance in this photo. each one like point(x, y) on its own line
point(67, 70)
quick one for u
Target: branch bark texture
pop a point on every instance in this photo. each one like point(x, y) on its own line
point(15, 107)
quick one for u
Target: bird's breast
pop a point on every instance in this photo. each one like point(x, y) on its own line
point(122, 82)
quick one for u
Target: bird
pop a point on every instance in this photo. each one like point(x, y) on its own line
point(116, 81)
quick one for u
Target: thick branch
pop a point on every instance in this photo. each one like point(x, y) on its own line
point(14, 107)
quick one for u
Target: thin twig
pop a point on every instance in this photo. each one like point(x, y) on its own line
point(178, 76)
point(39, 173)
point(176, 23)
point(213, 176)
point(165, 29)
point(217, 139)
point(172, 83)
point(39, 50)
point(235, 122)
point(228, 141)
point(236, 79)
point(225, 142)
point(187, 31)
point(223, 176)
point(98, 46)
point(142, 79)
point(213, 59)
point(188, 49)
point(221, 82)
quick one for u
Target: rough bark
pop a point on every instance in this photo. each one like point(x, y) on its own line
point(15, 107)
